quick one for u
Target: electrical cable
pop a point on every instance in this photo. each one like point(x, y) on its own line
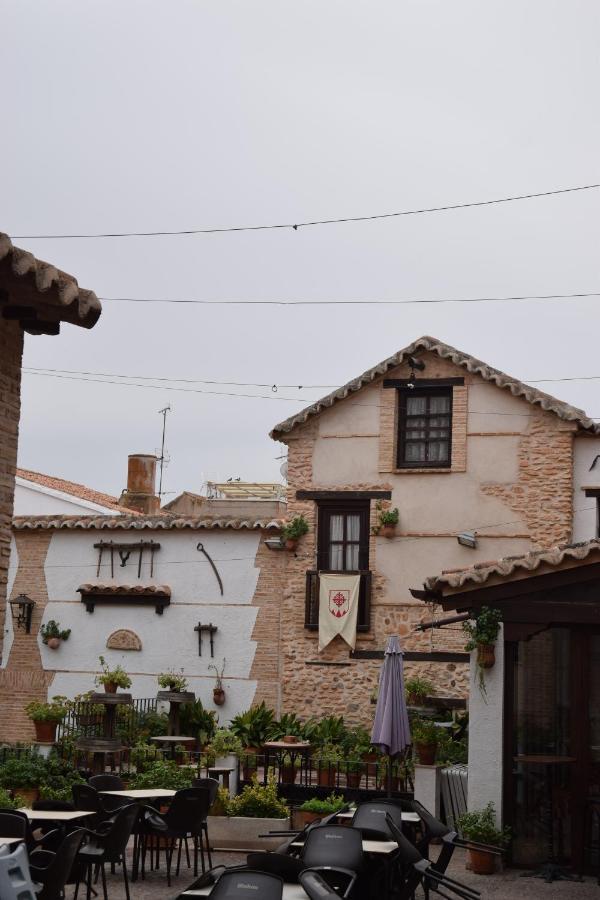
point(158, 387)
point(295, 226)
point(409, 302)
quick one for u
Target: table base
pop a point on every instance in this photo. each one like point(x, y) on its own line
point(550, 872)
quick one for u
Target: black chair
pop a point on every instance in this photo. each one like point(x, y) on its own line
point(286, 867)
point(212, 785)
point(49, 839)
point(415, 870)
point(336, 852)
point(52, 870)
point(315, 886)
point(243, 883)
point(433, 829)
point(87, 797)
point(109, 846)
point(13, 824)
point(184, 818)
point(109, 783)
point(370, 817)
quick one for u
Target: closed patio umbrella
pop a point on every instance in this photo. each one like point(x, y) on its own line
point(391, 731)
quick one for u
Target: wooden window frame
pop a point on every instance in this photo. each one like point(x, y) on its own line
point(428, 392)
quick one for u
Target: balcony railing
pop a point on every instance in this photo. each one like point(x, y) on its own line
point(311, 609)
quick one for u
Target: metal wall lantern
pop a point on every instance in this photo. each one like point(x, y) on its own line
point(22, 609)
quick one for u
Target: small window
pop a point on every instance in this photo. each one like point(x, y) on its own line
point(425, 428)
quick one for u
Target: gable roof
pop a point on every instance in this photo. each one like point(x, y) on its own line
point(39, 295)
point(73, 489)
point(445, 351)
point(509, 566)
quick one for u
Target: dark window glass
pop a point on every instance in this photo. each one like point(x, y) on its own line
point(425, 428)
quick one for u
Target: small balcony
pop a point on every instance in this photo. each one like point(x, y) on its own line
point(311, 608)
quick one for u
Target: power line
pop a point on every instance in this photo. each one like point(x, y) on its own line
point(273, 385)
point(296, 225)
point(309, 400)
point(410, 301)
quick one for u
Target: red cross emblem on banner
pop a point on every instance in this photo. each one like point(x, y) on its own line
point(339, 603)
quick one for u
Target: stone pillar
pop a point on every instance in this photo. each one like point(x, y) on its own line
point(428, 786)
point(486, 727)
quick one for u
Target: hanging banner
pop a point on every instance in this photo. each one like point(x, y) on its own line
point(338, 608)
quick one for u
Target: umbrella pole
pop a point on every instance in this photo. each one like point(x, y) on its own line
point(389, 776)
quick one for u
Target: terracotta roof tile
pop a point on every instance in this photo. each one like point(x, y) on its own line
point(43, 292)
point(112, 588)
point(72, 488)
point(445, 351)
point(479, 573)
point(141, 522)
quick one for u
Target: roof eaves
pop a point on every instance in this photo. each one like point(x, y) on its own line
point(474, 366)
point(140, 522)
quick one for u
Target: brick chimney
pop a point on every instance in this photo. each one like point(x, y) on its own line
point(141, 477)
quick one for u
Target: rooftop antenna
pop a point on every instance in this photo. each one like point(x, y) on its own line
point(161, 458)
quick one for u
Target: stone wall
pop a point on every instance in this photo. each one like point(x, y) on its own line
point(267, 629)
point(11, 351)
point(494, 436)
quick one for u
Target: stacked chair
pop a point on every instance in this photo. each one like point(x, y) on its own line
point(15, 879)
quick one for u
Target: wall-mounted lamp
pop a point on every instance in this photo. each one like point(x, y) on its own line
point(274, 544)
point(467, 539)
point(22, 609)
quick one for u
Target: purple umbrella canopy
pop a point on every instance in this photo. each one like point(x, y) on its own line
point(391, 731)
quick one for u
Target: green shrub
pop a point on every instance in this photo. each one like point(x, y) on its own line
point(289, 723)
point(258, 801)
point(197, 721)
point(117, 676)
point(255, 726)
point(52, 630)
point(418, 689)
point(8, 802)
point(169, 681)
point(324, 807)
point(26, 771)
point(330, 730)
point(425, 731)
point(225, 742)
point(295, 529)
point(164, 774)
point(480, 826)
point(484, 628)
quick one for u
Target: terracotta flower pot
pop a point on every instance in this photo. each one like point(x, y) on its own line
point(110, 687)
point(387, 531)
point(45, 732)
point(486, 655)
point(326, 776)
point(291, 544)
point(219, 696)
point(302, 818)
point(29, 795)
point(426, 754)
point(53, 643)
point(482, 862)
point(290, 739)
point(353, 779)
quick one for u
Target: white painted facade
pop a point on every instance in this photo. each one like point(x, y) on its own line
point(586, 449)
point(168, 640)
point(32, 499)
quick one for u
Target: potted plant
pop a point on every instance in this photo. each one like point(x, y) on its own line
point(480, 826)
point(417, 690)
point(52, 634)
point(254, 812)
point(426, 736)
point(316, 808)
point(289, 725)
point(293, 531)
point(329, 758)
point(225, 747)
point(219, 690)
point(388, 520)
point(197, 721)
point(356, 744)
point(112, 679)
point(254, 728)
point(46, 716)
point(169, 681)
point(164, 773)
point(483, 631)
point(23, 774)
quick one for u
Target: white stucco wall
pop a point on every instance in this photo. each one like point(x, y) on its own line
point(584, 508)
point(35, 500)
point(168, 640)
point(486, 714)
point(9, 634)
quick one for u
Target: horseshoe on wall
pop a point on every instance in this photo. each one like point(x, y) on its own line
point(200, 547)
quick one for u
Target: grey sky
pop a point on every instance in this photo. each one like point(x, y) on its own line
point(146, 115)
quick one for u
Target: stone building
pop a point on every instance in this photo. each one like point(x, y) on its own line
point(36, 298)
point(456, 446)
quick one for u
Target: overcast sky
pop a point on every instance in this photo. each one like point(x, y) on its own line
point(129, 116)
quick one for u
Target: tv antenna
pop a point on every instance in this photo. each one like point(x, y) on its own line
point(161, 458)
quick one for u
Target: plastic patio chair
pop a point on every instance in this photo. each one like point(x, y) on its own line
point(336, 852)
point(370, 817)
point(184, 819)
point(52, 870)
point(15, 880)
point(109, 783)
point(244, 883)
point(109, 846)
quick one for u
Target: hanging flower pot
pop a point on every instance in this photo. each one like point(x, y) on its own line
point(486, 655)
point(218, 696)
point(387, 531)
point(53, 643)
point(291, 544)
